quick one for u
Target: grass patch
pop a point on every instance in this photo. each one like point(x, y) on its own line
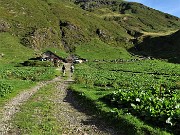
point(98, 50)
point(17, 87)
point(12, 50)
point(126, 123)
point(37, 114)
point(128, 81)
point(21, 78)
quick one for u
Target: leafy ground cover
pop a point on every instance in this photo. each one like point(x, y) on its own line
point(146, 89)
point(15, 79)
point(28, 73)
point(10, 88)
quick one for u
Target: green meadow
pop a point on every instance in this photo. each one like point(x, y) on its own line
point(131, 78)
point(144, 92)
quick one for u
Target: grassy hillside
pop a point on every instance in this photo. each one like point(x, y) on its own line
point(12, 51)
point(31, 22)
point(62, 24)
point(98, 50)
point(165, 47)
point(132, 16)
point(147, 28)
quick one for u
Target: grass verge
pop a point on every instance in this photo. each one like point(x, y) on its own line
point(18, 86)
point(37, 114)
point(22, 78)
point(127, 123)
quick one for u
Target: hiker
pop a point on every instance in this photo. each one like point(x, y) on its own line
point(63, 70)
point(72, 69)
point(55, 60)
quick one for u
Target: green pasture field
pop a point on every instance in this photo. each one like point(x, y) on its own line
point(146, 89)
point(15, 79)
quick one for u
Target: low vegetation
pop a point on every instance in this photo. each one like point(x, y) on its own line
point(37, 115)
point(98, 50)
point(11, 88)
point(145, 89)
point(15, 79)
point(127, 78)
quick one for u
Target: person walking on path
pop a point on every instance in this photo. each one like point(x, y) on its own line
point(72, 70)
point(63, 70)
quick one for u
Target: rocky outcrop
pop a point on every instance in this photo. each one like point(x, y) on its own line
point(40, 38)
point(4, 26)
point(90, 4)
point(71, 35)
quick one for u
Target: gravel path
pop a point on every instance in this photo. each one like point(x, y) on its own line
point(71, 116)
point(13, 106)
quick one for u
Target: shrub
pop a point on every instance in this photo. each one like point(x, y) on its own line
point(35, 63)
point(5, 88)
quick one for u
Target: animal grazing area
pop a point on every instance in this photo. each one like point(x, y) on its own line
point(121, 73)
point(142, 92)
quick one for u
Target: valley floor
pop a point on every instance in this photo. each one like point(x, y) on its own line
point(67, 116)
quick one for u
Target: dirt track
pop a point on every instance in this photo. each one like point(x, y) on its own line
point(13, 106)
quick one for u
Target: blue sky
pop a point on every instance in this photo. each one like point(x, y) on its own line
point(167, 6)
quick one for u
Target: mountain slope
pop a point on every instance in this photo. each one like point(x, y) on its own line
point(11, 50)
point(132, 16)
point(165, 47)
point(62, 24)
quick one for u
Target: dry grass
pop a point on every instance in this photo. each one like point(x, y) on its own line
point(156, 34)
